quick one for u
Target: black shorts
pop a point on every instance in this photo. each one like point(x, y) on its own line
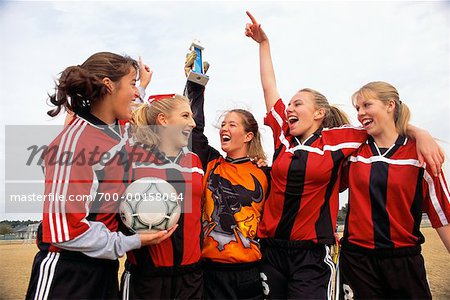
point(296, 270)
point(232, 281)
point(72, 275)
point(395, 274)
point(181, 282)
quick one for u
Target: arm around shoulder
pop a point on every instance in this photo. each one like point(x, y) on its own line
point(428, 150)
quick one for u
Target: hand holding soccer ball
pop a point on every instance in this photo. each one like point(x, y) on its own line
point(156, 237)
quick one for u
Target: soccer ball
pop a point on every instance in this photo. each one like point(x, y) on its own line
point(149, 205)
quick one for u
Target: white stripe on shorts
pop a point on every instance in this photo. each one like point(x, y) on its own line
point(329, 261)
point(46, 273)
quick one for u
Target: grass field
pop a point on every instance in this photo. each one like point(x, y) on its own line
point(16, 260)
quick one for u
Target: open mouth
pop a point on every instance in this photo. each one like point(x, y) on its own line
point(366, 122)
point(186, 133)
point(226, 138)
point(292, 120)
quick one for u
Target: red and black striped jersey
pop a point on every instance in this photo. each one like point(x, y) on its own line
point(86, 172)
point(304, 198)
point(388, 193)
point(185, 174)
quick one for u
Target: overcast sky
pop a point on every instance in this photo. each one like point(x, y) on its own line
point(333, 47)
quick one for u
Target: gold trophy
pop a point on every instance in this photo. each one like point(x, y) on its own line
point(194, 67)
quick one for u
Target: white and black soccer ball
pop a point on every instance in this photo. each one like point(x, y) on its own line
point(150, 204)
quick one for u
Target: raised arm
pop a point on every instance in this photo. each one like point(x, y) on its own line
point(145, 76)
point(269, 85)
point(200, 145)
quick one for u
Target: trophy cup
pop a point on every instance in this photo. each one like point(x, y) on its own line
point(197, 73)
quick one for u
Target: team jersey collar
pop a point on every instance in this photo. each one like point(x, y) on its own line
point(237, 160)
point(161, 156)
point(400, 141)
point(113, 131)
point(310, 139)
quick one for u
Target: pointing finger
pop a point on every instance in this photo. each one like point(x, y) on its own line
point(251, 17)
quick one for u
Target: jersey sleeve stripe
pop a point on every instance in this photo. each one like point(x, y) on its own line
point(341, 146)
point(372, 159)
point(280, 122)
point(434, 200)
point(66, 184)
point(325, 148)
point(444, 187)
point(55, 183)
point(344, 127)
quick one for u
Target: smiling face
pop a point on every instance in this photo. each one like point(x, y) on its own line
point(179, 125)
point(302, 115)
point(375, 116)
point(233, 137)
point(123, 94)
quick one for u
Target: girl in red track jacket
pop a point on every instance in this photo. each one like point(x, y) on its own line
point(85, 175)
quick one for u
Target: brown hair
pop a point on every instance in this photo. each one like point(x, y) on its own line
point(255, 148)
point(386, 92)
point(144, 117)
point(80, 86)
point(334, 117)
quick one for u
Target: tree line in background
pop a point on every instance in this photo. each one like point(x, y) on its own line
point(342, 214)
point(7, 227)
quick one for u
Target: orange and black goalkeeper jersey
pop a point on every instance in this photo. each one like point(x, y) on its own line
point(233, 198)
point(233, 195)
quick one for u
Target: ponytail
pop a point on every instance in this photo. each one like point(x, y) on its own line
point(255, 148)
point(334, 117)
point(141, 129)
point(402, 118)
point(80, 86)
point(75, 90)
point(145, 127)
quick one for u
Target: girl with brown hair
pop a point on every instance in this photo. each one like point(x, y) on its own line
point(85, 175)
point(234, 191)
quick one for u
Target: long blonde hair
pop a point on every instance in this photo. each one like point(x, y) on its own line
point(334, 117)
point(386, 92)
point(144, 118)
